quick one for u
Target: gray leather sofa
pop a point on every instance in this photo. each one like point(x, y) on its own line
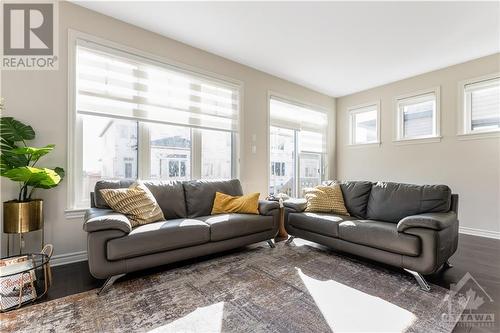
point(408, 226)
point(115, 248)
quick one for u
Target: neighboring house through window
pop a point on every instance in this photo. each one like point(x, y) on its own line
point(136, 117)
point(480, 105)
point(417, 116)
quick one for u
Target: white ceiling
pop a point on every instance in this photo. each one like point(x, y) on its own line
point(336, 48)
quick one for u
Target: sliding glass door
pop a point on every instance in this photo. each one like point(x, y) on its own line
point(297, 138)
point(283, 161)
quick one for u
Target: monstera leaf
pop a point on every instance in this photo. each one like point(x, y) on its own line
point(35, 177)
point(13, 130)
point(18, 160)
point(34, 153)
point(8, 159)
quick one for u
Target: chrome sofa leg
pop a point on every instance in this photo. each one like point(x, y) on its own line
point(108, 283)
point(420, 279)
point(289, 240)
point(271, 243)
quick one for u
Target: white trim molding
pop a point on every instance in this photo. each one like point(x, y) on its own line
point(479, 232)
point(361, 108)
point(365, 145)
point(464, 131)
point(418, 141)
point(71, 214)
point(398, 125)
point(68, 258)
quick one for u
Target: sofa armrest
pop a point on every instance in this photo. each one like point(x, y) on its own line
point(434, 221)
point(295, 205)
point(266, 207)
point(97, 219)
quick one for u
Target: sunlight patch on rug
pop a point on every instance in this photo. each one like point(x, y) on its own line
point(206, 319)
point(346, 309)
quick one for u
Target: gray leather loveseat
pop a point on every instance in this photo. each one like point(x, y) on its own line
point(115, 248)
point(408, 226)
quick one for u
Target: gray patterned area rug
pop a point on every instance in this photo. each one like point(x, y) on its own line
point(298, 288)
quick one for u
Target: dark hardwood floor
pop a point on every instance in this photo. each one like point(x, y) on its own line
point(477, 255)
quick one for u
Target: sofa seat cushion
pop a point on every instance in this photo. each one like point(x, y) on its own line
point(380, 235)
point(226, 226)
point(158, 237)
point(321, 223)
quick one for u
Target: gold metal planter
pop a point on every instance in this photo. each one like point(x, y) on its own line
point(22, 217)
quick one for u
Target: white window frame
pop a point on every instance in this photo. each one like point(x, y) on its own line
point(74, 148)
point(328, 144)
point(464, 126)
point(399, 123)
point(357, 109)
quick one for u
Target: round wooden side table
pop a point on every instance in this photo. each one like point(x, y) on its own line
point(282, 234)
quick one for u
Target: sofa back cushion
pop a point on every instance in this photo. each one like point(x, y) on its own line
point(168, 194)
point(393, 201)
point(356, 194)
point(99, 201)
point(170, 197)
point(200, 194)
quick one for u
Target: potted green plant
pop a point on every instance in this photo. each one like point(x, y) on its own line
point(19, 163)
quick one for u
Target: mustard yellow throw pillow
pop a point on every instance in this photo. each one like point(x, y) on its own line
point(326, 199)
point(246, 204)
point(136, 202)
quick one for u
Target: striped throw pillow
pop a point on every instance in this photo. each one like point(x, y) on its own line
point(136, 202)
point(325, 199)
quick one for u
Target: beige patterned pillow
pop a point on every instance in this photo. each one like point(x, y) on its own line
point(136, 202)
point(325, 199)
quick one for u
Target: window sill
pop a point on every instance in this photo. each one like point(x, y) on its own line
point(478, 135)
point(72, 214)
point(434, 139)
point(364, 145)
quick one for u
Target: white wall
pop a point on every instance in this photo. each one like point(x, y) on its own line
point(39, 98)
point(470, 167)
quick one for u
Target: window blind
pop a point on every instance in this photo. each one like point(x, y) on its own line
point(418, 116)
point(483, 99)
point(293, 116)
point(118, 84)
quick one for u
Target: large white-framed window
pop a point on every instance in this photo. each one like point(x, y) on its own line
point(417, 116)
point(297, 145)
point(479, 106)
point(364, 124)
point(135, 116)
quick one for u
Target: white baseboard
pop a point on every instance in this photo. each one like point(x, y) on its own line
point(68, 258)
point(479, 232)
